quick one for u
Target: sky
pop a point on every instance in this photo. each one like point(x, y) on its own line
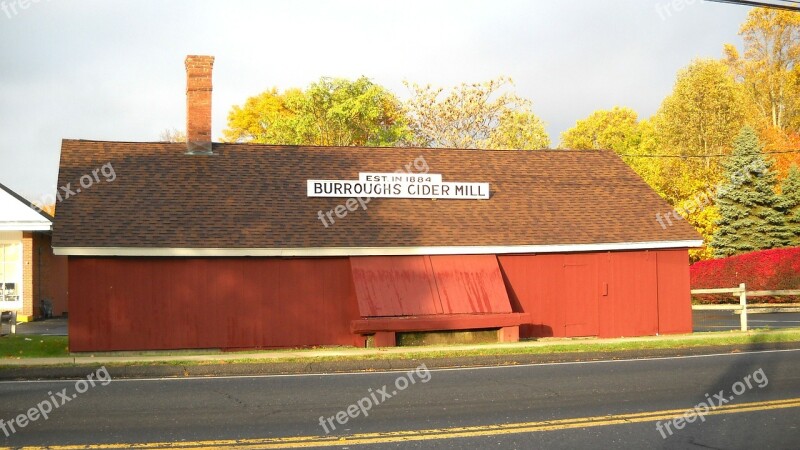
point(114, 70)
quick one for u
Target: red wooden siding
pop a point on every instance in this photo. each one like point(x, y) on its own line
point(559, 291)
point(168, 303)
point(674, 299)
point(160, 303)
point(600, 294)
point(393, 286)
point(631, 306)
point(580, 298)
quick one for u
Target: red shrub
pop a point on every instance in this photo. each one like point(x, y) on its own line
point(760, 271)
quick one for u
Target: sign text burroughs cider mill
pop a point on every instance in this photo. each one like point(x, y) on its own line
point(394, 185)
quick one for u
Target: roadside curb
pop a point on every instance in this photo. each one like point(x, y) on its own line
point(219, 369)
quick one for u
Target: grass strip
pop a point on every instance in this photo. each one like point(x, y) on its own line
point(33, 346)
point(54, 346)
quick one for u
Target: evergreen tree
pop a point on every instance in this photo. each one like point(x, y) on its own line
point(790, 202)
point(751, 216)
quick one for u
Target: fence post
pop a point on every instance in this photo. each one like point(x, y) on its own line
point(743, 303)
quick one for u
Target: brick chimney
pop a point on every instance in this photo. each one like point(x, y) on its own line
point(198, 104)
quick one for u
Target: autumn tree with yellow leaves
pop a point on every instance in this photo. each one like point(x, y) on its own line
point(484, 115)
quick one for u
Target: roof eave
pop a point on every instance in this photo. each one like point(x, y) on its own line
point(27, 203)
point(370, 251)
point(25, 226)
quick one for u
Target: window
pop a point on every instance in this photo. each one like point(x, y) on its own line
point(10, 272)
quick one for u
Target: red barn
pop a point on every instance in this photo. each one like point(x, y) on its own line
point(211, 245)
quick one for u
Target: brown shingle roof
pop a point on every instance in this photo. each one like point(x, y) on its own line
point(254, 196)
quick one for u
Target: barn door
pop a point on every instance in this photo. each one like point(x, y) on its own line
point(580, 300)
point(631, 306)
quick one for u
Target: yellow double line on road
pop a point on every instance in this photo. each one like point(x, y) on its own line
point(434, 434)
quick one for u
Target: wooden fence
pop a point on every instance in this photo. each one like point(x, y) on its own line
point(742, 293)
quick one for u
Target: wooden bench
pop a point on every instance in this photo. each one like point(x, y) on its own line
point(385, 328)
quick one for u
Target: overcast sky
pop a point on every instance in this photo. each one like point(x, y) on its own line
point(108, 70)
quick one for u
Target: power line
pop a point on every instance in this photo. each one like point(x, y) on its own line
point(778, 4)
point(788, 5)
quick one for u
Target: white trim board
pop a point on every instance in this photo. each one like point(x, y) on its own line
point(370, 251)
point(24, 226)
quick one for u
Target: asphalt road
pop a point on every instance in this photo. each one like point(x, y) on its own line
point(727, 320)
point(611, 404)
point(50, 327)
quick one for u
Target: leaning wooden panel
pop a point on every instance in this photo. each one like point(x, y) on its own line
point(470, 284)
point(391, 286)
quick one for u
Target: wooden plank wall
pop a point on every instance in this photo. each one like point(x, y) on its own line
point(168, 303)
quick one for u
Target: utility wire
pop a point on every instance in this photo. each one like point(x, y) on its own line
point(788, 5)
point(779, 4)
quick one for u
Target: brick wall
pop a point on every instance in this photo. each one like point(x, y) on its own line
point(29, 307)
point(51, 277)
point(44, 275)
point(198, 103)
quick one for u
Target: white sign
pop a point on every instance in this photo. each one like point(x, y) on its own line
point(395, 177)
point(398, 185)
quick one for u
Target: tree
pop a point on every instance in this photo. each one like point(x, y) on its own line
point(750, 210)
point(615, 129)
point(696, 121)
point(777, 140)
point(769, 67)
point(336, 111)
point(331, 111)
point(521, 130)
point(172, 135)
point(790, 201)
point(769, 72)
point(264, 119)
point(476, 115)
point(702, 114)
point(620, 130)
point(690, 195)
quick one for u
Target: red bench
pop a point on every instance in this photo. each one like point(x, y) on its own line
point(385, 328)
